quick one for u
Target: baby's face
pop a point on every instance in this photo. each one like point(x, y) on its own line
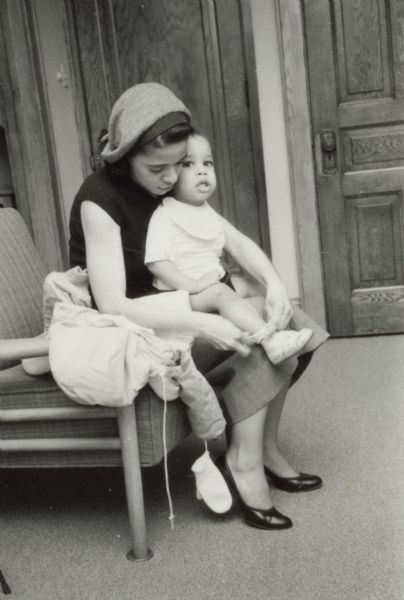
point(197, 179)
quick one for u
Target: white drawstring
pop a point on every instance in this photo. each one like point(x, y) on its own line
point(170, 504)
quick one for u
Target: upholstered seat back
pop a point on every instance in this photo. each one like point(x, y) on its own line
point(21, 279)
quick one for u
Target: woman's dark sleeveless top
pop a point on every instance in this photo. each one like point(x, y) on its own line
point(131, 207)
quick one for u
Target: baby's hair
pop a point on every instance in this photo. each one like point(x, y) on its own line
point(198, 132)
point(202, 134)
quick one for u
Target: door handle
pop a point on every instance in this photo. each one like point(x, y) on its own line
point(328, 142)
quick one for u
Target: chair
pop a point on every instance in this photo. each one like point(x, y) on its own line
point(39, 425)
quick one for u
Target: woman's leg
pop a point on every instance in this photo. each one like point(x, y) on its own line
point(245, 459)
point(272, 458)
point(254, 443)
point(247, 384)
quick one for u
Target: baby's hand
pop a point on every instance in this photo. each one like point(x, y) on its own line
point(206, 281)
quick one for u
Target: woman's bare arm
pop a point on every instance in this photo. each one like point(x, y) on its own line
point(252, 259)
point(106, 271)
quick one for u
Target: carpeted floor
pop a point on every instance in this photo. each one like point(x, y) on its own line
point(64, 535)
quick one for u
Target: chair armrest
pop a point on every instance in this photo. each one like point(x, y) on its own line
point(24, 348)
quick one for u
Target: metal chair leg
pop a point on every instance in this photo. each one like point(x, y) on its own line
point(133, 483)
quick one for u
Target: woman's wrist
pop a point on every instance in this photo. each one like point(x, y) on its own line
point(203, 324)
point(275, 288)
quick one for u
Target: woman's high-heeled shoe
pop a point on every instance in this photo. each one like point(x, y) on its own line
point(302, 483)
point(255, 517)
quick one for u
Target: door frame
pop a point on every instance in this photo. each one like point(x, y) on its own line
point(301, 157)
point(29, 132)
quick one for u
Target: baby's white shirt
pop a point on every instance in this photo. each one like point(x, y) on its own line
point(191, 237)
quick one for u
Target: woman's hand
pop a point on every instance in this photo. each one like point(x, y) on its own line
point(222, 334)
point(278, 307)
point(253, 261)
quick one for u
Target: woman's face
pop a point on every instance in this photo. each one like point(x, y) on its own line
point(157, 169)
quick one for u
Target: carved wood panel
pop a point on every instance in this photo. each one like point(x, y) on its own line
point(373, 148)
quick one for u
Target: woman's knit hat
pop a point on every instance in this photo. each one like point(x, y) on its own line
point(136, 111)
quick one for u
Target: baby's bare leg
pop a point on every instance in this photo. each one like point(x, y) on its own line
point(281, 344)
point(252, 291)
point(222, 299)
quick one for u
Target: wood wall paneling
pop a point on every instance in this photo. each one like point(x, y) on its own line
point(10, 123)
point(76, 78)
point(37, 193)
point(234, 33)
point(253, 103)
point(197, 48)
point(94, 73)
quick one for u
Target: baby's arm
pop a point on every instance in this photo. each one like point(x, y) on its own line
point(253, 261)
point(166, 271)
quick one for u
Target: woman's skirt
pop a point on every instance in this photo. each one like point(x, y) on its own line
point(247, 384)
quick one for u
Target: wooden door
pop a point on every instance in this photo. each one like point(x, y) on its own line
point(202, 50)
point(355, 51)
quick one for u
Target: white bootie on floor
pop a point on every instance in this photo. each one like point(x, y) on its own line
point(210, 485)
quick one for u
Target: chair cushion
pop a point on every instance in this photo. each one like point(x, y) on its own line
point(21, 280)
point(20, 391)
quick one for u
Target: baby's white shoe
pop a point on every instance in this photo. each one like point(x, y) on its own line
point(284, 344)
point(210, 484)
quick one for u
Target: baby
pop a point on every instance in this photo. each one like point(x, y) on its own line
point(184, 245)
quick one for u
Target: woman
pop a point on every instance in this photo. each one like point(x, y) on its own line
point(147, 142)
